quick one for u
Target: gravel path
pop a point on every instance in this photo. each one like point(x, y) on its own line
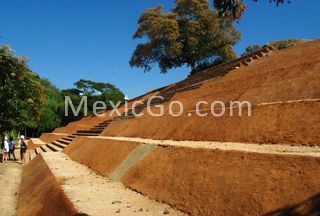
point(227, 146)
point(93, 194)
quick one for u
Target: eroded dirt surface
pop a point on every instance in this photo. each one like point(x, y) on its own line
point(10, 178)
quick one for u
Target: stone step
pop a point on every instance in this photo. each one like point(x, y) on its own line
point(105, 123)
point(96, 130)
point(45, 148)
point(85, 134)
point(54, 147)
point(67, 142)
point(245, 63)
point(100, 126)
point(68, 139)
point(59, 144)
point(88, 131)
point(38, 150)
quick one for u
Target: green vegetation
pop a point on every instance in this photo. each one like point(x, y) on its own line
point(95, 91)
point(192, 34)
point(235, 8)
point(98, 91)
point(32, 104)
point(251, 49)
point(21, 98)
point(282, 44)
point(52, 112)
point(279, 44)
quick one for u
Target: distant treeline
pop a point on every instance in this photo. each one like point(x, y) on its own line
point(32, 105)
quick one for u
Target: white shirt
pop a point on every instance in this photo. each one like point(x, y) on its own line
point(6, 146)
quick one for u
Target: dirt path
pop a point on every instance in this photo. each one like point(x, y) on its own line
point(93, 194)
point(10, 178)
point(228, 146)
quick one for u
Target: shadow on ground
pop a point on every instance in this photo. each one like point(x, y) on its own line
point(309, 207)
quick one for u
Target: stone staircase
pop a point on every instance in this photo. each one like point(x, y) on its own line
point(54, 146)
point(94, 131)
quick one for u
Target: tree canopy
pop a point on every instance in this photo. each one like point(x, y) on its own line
point(235, 8)
point(99, 91)
point(53, 108)
point(21, 96)
point(95, 91)
point(191, 33)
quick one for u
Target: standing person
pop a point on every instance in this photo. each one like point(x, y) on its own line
point(23, 149)
point(5, 149)
point(2, 146)
point(11, 148)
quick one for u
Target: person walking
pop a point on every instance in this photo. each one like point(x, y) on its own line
point(23, 149)
point(11, 148)
point(5, 149)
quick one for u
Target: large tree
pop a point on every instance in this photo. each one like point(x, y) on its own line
point(21, 97)
point(192, 34)
point(235, 8)
point(99, 91)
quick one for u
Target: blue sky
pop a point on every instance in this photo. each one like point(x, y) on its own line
point(92, 39)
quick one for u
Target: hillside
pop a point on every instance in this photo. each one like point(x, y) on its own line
point(264, 164)
point(283, 89)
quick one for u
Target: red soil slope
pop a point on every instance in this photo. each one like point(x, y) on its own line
point(100, 155)
point(285, 75)
point(283, 123)
point(46, 197)
point(206, 182)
